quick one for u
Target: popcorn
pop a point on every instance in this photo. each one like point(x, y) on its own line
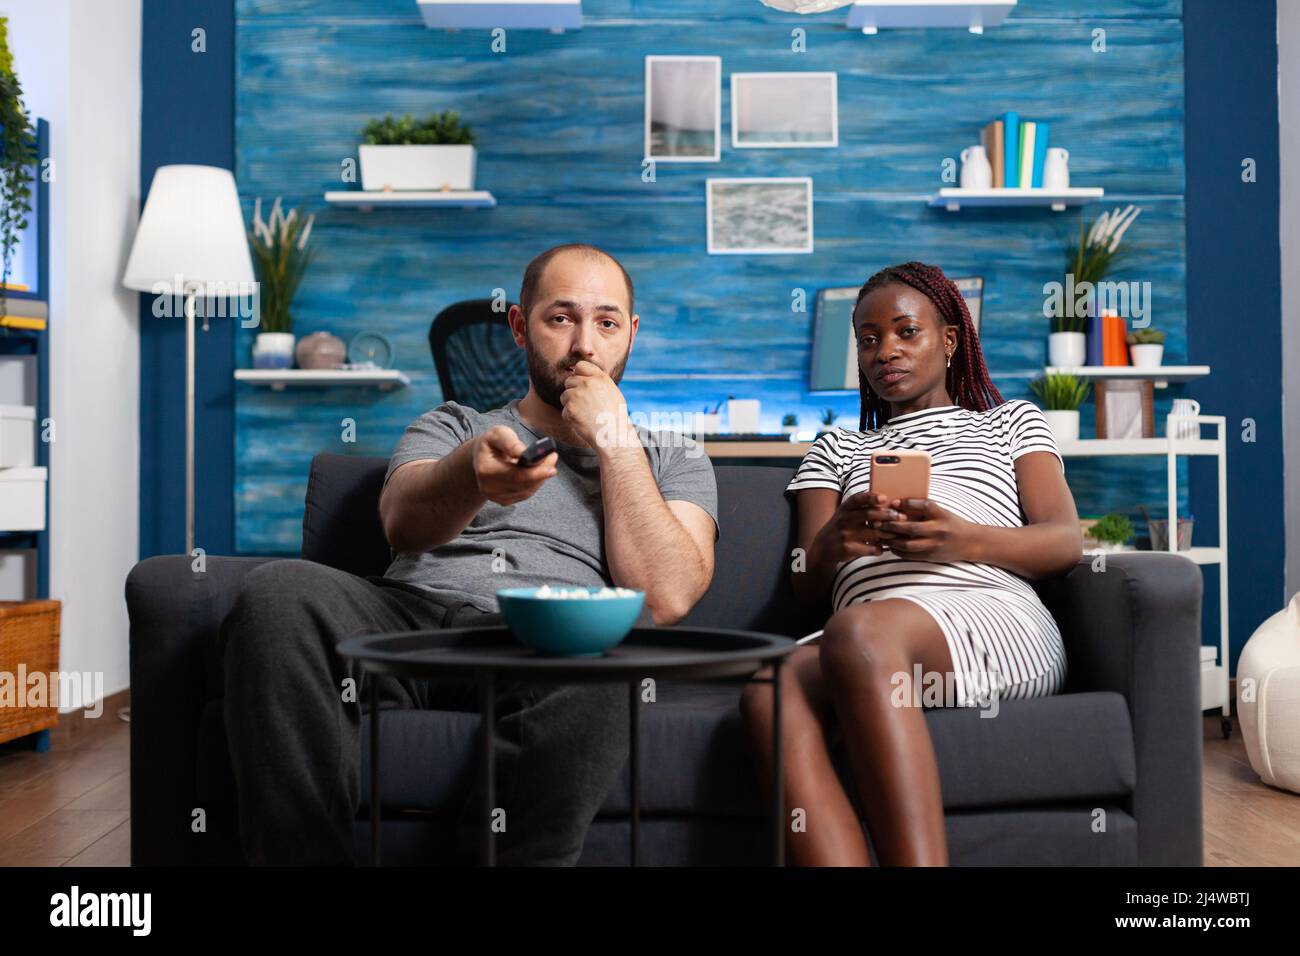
point(558, 593)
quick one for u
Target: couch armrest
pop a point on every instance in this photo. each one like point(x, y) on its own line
point(175, 616)
point(1134, 628)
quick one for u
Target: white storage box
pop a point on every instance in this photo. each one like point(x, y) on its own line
point(22, 499)
point(17, 436)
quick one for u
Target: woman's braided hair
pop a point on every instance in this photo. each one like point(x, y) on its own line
point(968, 378)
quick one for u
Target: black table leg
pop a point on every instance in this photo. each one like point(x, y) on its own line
point(778, 794)
point(634, 762)
point(374, 771)
point(487, 722)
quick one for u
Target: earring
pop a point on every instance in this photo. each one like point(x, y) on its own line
point(949, 360)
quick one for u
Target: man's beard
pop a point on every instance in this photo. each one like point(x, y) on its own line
point(548, 380)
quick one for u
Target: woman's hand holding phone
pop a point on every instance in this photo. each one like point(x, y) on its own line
point(927, 531)
point(849, 534)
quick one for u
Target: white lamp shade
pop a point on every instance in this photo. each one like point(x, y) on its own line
point(192, 229)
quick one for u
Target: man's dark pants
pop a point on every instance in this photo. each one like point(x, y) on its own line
point(295, 740)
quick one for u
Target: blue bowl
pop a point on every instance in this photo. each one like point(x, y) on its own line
point(569, 627)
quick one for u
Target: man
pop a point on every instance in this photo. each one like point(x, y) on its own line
point(615, 505)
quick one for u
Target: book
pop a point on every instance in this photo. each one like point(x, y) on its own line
point(21, 322)
point(1040, 153)
point(991, 137)
point(1027, 130)
point(1011, 147)
point(1095, 355)
point(28, 308)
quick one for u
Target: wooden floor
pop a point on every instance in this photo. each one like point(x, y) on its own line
point(72, 805)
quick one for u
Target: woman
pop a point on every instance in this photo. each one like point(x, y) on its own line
point(936, 586)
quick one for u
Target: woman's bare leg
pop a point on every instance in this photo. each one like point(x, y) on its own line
point(832, 835)
point(865, 647)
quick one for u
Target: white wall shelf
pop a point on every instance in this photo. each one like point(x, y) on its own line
point(1161, 375)
point(278, 378)
point(402, 199)
point(554, 15)
point(974, 15)
point(953, 199)
point(1214, 684)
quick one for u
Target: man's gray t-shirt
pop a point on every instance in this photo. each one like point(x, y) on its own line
point(555, 537)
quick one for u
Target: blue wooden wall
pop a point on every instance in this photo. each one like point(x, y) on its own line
point(559, 119)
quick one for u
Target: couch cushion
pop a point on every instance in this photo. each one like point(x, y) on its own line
point(694, 756)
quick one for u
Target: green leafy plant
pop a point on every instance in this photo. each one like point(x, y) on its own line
point(828, 416)
point(789, 419)
point(1145, 337)
point(1096, 254)
point(281, 256)
point(1059, 392)
point(17, 158)
point(1112, 529)
point(437, 129)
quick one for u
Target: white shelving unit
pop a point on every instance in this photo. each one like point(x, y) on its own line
point(1161, 375)
point(1214, 683)
point(974, 15)
point(401, 199)
point(554, 15)
point(953, 198)
point(277, 379)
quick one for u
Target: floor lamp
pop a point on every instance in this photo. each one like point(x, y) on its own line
point(191, 242)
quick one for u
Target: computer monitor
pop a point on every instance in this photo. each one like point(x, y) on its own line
point(834, 364)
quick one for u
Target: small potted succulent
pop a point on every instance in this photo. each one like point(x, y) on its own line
point(828, 417)
point(1146, 346)
point(1111, 532)
point(435, 153)
point(790, 423)
point(1061, 396)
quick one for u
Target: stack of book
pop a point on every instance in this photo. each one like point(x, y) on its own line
point(1016, 150)
point(1106, 339)
point(23, 313)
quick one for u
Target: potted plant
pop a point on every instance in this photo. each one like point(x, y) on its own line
point(1089, 261)
point(1061, 396)
point(1147, 347)
point(17, 158)
point(789, 423)
point(1111, 532)
point(280, 256)
point(828, 417)
point(433, 153)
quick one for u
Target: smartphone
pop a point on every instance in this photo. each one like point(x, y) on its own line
point(536, 452)
point(901, 474)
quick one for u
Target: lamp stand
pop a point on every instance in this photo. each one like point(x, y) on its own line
point(189, 423)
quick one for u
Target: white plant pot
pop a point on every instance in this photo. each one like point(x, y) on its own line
point(790, 429)
point(273, 350)
point(1066, 349)
point(1064, 425)
point(1147, 356)
point(416, 167)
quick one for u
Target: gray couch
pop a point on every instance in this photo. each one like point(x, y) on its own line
point(1108, 772)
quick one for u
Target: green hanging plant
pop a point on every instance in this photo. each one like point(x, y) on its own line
point(17, 158)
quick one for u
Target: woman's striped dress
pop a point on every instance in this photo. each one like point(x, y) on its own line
point(1000, 636)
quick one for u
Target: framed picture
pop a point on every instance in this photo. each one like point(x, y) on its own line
point(972, 290)
point(760, 216)
point(683, 109)
point(833, 365)
point(784, 110)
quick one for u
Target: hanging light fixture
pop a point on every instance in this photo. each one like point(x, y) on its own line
point(806, 6)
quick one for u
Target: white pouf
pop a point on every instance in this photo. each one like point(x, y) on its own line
point(1270, 723)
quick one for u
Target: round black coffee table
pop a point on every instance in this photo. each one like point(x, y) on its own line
point(486, 654)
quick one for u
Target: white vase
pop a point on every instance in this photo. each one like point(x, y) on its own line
point(273, 350)
point(416, 167)
point(1147, 356)
point(790, 429)
point(1064, 425)
point(1066, 349)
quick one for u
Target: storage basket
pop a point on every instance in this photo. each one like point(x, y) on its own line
point(29, 644)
